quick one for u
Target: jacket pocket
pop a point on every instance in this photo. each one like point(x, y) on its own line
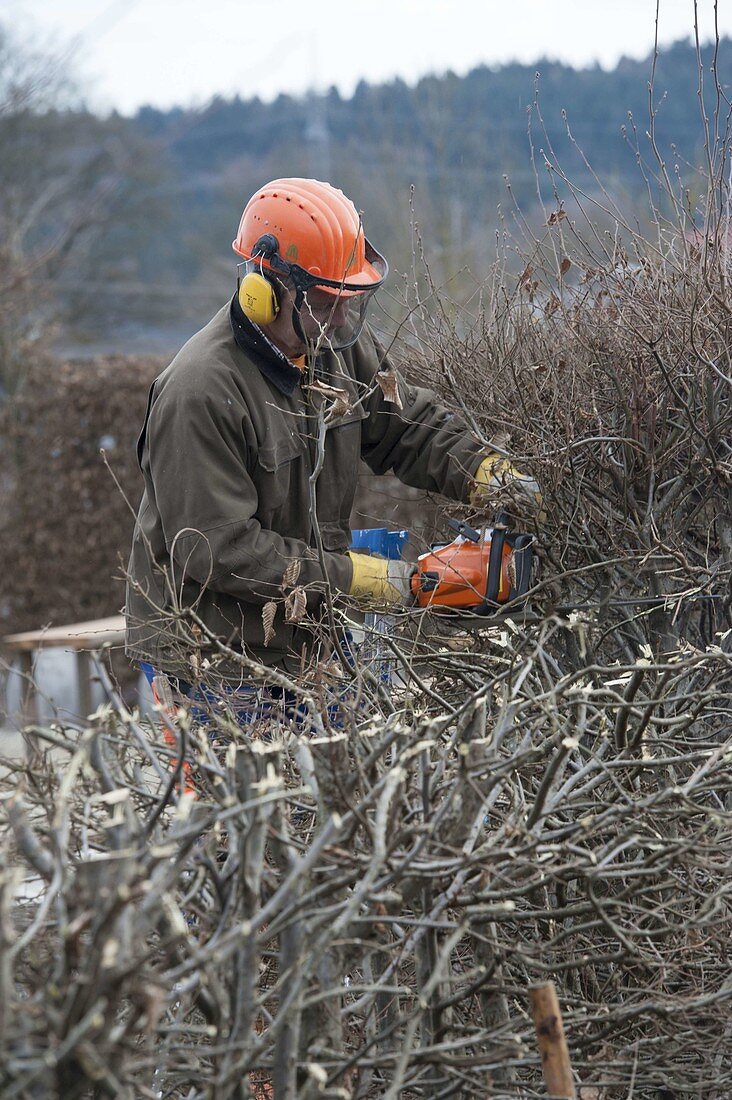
point(274, 474)
point(280, 449)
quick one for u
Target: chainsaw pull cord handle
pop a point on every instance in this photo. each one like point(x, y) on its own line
point(464, 529)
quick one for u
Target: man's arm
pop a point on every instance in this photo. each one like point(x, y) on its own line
point(425, 444)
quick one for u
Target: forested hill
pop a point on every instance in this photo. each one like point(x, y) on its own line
point(474, 127)
point(456, 140)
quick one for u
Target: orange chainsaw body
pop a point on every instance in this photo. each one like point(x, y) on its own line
point(479, 571)
point(455, 575)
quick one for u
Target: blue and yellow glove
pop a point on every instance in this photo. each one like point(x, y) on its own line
point(379, 581)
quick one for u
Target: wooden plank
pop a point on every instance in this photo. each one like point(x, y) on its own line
point(550, 1036)
point(86, 635)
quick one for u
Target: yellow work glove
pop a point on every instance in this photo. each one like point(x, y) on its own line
point(380, 581)
point(496, 472)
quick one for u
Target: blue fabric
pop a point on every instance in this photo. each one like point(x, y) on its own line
point(246, 704)
point(148, 670)
point(380, 541)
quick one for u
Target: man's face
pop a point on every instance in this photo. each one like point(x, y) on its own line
point(322, 313)
point(324, 316)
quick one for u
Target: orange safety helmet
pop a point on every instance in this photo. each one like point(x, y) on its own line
point(309, 231)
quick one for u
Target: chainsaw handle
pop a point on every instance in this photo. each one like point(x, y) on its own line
point(495, 565)
point(522, 558)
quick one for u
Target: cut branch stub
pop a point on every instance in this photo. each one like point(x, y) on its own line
point(555, 1063)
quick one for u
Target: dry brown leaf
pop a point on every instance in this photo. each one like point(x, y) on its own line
point(291, 574)
point(325, 390)
point(557, 216)
point(525, 277)
point(341, 404)
point(389, 383)
point(565, 265)
point(552, 305)
point(268, 615)
point(511, 569)
point(295, 605)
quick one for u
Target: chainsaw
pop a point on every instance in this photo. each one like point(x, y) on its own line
point(479, 572)
point(489, 573)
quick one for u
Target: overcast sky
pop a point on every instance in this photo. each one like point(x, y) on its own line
point(166, 52)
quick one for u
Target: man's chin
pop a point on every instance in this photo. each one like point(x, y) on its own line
point(291, 350)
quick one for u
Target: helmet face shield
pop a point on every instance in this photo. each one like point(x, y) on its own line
point(333, 319)
point(332, 313)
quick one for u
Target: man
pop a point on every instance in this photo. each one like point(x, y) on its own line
point(251, 445)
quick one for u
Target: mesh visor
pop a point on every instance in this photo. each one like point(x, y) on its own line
point(334, 319)
point(333, 313)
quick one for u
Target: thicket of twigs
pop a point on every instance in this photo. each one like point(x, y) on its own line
point(357, 908)
point(361, 912)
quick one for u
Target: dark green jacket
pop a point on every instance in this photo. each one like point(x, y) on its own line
point(226, 451)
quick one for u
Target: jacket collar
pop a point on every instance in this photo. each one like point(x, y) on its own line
point(274, 364)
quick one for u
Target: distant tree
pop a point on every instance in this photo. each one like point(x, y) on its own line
point(63, 172)
point(120, 231)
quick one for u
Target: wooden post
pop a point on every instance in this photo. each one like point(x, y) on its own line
point(28, 697)
point(84, 668)
point(555, 1062)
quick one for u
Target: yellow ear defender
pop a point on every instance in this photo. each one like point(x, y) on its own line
point(258, 298)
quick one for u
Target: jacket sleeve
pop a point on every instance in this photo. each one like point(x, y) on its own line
point(425, 444)
point(195, 462)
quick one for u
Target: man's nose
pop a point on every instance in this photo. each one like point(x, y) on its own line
point(340, 313)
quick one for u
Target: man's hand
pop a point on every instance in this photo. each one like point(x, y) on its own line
point(379, 581)
point(497, 477)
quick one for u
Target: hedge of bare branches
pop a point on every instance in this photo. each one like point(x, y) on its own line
point(361, 913)
point(354, 902)
point(62, 516)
